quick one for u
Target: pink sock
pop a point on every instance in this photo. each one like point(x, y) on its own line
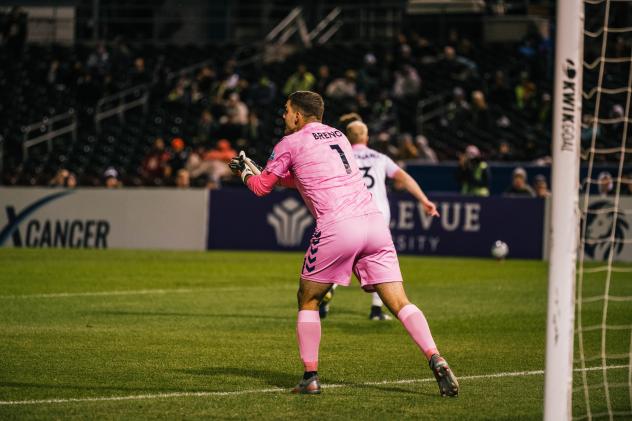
point(308, 333)
point(415, 323)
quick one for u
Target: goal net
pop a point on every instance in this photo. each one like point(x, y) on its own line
point(602, 380)
point(589, 327)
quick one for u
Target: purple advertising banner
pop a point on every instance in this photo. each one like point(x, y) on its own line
point(468, 226)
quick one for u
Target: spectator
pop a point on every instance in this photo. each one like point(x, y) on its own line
point(223, 151)
point(139, 74)
point(426, 153)
point(589, 127)
point(504, 153)
point(183, 179)
point(60, 178)
point(236, 110)
point(383, 145)
point(540, 186)
point(205, 79)
point(195, 165)
point(519, 186)
point(614, 131)
point(407, 83)
point(368, 76)
point(263, 93)
point(111, 177)
point(343, 87)
point(215, 162)
point(452, 66)
point(179, 91)
point(605, 185)
point(236, 118)
point(230, 80)
point(71, 181)
point(500, 93)
point(88, 91)
point(302, 80)
point(457, 111)
point(407, 149)
point(253, 128)
point(406, 90)
point(473, 173)
point(99, 60)
point(324, 78)
point(53, 76)
point(121, 56)
point(179, 155)
point(525, 93)
point(402, 50)
point(207, 127)
point(195, 95)
point(382, 113)
point(546, 108)
point(480, 117)
point(155, 164)
point(14, 31)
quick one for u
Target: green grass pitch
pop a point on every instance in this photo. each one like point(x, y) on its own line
point(186, 335)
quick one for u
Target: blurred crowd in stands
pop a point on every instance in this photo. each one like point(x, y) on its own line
point(423, 103)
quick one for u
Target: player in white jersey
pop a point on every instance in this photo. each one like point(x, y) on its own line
point(375, 168)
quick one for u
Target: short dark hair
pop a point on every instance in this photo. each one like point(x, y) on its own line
point(348, 118)
point(309, 103)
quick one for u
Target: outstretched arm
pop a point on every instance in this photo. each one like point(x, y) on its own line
point(413, 188)
point(264, 183)
point(261, 184)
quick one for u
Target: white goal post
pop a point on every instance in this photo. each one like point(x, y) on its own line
point(565, 218)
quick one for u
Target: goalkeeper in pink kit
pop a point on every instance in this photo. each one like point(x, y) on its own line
point(350, 235)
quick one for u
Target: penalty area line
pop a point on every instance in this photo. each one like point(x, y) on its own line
point(278, 389)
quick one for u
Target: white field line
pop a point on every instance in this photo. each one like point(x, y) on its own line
point(277, 389)
point(131, 292)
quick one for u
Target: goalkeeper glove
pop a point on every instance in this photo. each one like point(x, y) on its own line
point(256, 169)
point(244, 166)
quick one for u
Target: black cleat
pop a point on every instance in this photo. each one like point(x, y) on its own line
point(448, 385)
point(378, 314)
point(309, 386)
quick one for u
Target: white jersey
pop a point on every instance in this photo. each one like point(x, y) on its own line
point(375, 167)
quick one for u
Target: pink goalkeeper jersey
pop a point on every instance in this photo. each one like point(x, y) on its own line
point(320, 159)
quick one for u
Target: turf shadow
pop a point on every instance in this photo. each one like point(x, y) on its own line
point(272, 377)
point(287, 380)
point(392, 389)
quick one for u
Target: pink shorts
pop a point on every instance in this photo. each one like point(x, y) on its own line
point(361, 244)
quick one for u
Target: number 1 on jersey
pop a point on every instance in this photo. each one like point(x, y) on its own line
point(342, 157)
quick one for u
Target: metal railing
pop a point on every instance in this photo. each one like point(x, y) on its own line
point(278, 36)
point(119, 103)
point(294, 22)
point(47, 130)
point(285, 26)
point(327, 27)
